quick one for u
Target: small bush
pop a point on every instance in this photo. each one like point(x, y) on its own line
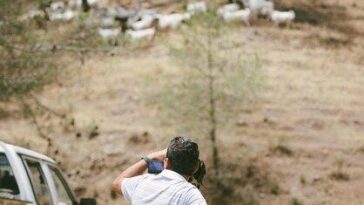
point(282, 150)
point(339, 176)
point(240, 183)
point(24, 65)
point(295, 201)
point(303, 180)
point(275, 189)
point(361, 149)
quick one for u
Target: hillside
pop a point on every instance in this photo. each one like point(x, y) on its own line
point(304, 130)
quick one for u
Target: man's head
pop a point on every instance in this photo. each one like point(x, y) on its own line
point(183, 156)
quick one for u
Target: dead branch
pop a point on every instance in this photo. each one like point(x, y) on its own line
point(46, 108)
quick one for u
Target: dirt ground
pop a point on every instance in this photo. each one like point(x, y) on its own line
point(306, 126)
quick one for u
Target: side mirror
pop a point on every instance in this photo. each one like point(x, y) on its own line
point(88, 201)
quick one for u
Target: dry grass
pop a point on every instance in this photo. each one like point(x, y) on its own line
point(312, 94)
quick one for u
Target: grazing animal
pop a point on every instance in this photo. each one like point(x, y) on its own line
point(32, 14)
point(109, 33)
point(245, 3)
point(145, 22)
point(62, 16)
point(107, 22)
point(282, 17)
point(240, 15)
point(91, 3)
point(267, 8)
point(69, 15)
point(95, 3)
point(256, 5)
point(57, 6)
point(75, 4)
point(227, 8)
point(197, 7)
point(141, 34)
point(260, 7)
point(172, 21)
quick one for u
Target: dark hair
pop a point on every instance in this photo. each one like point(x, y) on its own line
point(183, 155)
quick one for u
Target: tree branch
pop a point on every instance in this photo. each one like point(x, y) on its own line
point(41, 105)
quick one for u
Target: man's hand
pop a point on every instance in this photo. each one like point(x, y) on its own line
point(137, 169)
point(159, 155)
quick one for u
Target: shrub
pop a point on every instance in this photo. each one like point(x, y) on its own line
point(24, 65)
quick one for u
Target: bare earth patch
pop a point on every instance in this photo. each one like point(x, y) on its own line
point(310, 111)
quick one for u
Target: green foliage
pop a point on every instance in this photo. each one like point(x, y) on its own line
point(275, 189)
point(296, 201)
point(361, 149)
point(83, 33)
point(243, 181)
point(215, 80)
point(303, 180)
point(30, 49)
point(207, 54)
point(339, 174)
point(23, 66)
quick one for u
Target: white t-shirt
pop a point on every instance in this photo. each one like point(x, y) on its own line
point(166, 188)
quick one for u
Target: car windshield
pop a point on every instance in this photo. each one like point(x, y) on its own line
point(8, 185)
point(64, 196)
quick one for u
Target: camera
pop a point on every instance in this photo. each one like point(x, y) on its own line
point(156, 167)
point(200, 174)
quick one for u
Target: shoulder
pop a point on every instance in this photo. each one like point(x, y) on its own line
point(194, 192)
point(129, 185)
point(136, 179)
point(132, 182)
point(194, 196)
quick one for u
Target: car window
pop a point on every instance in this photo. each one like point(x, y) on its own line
point(8, 184)
point(64, 197)
point(39, 183)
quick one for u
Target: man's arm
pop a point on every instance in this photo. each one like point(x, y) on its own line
point(136, 169)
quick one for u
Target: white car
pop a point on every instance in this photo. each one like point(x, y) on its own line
point(30, 178)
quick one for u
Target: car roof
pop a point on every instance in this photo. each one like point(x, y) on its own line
point(28, 152)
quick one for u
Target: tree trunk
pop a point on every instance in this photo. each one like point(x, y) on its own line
point(212, 111)
point(85, 6)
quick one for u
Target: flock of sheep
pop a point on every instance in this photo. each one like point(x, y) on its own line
point(139, 24)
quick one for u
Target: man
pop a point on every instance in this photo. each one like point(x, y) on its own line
point(171, 186)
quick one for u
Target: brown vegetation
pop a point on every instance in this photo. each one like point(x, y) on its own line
point(312, 95)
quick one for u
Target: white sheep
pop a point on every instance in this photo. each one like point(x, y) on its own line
point(75, 4)
point(141, 34)
point(109, 33)
point(197, 7)
point(31, 15)
point(240, 15)
point(95, 3)
point(260, 7)
point(256, 5)
point(107, 22)
point(62, 16)
point(246, 3)
point(57, 6)
point(227, 8)
point(172, 21)
point(282, 17)
point(69, 15)
point(145, 22)
point(267, 9)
